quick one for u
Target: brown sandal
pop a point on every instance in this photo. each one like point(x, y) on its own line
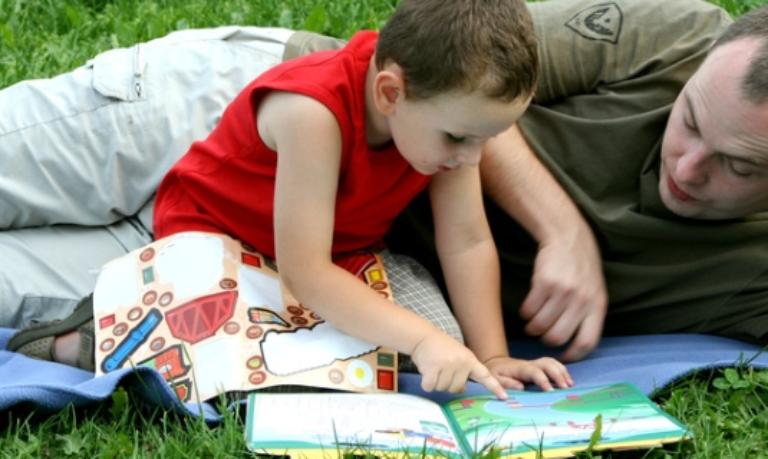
point(37, 340)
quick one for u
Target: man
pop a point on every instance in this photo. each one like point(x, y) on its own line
point(612, 71)
point(671, 178)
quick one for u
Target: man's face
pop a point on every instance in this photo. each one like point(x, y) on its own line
point(450, 130)
point(714, 155)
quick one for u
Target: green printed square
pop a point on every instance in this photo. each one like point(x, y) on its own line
point(148, 274)
point(386, 360)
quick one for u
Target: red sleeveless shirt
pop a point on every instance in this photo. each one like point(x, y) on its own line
point(226, 183)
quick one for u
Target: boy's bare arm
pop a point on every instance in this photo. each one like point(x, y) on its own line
point(470, 266)
point(568, 298)
point(468, 259)
point(308, 141)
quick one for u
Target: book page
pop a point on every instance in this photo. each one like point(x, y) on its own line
point(211, 315)
point(315, 425)
point(561, 422)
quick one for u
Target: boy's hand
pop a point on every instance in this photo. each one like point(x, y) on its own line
point(513, 373)
point(445, 365)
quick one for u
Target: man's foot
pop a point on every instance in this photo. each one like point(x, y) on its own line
point(69, 340)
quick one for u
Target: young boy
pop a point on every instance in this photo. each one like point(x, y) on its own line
point(316, 157)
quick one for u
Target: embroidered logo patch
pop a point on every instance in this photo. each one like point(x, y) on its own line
point(598, 22)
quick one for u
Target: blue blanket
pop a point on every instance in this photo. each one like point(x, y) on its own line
point(651, 362)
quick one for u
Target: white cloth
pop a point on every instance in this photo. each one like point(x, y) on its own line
point(89, 148)
point(115, 125)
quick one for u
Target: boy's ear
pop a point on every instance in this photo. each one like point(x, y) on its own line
point(388, 88)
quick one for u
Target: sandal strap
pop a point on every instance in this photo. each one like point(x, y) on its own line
point(38, 349)
point(86, 356)
point(37, 340)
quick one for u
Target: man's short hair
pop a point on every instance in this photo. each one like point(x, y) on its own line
point(754, 24)
point(445, 45)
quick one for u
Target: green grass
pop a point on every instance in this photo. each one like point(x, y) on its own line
point(727, 411)
point(45, 37)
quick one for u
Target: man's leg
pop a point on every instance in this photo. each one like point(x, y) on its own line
point(45, 271)
point(90, 146)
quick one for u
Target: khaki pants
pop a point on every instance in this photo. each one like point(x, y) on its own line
point(84, 151)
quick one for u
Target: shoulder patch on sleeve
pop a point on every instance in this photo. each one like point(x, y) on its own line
point(598, 22)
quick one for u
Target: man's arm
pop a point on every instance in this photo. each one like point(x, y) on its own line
point(568, 298)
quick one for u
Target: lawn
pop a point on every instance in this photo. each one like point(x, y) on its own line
point(727, 411)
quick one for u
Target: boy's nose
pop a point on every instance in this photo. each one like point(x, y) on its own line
point(470, 155)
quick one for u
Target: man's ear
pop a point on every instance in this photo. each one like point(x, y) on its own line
point(388, 88)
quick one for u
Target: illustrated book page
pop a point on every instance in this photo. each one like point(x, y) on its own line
point(560, 423)
point(321, 425)
point(211, 315)
point(532, 424)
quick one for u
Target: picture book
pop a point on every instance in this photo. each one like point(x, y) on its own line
point(530, 424)
point(211, 315)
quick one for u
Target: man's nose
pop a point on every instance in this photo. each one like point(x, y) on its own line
point(693, 166)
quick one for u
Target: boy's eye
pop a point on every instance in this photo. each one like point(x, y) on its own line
point(454, 138)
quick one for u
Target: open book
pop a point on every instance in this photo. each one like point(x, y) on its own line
point(527, 425)
point(211, 315)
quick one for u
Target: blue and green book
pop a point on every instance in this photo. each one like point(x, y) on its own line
point(529, 424)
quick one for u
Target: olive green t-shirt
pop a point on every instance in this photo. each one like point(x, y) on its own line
point(611, 71)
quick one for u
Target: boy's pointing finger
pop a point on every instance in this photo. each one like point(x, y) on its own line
point(481, 374)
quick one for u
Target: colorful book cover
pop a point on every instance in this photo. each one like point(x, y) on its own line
point(552, 424)
point(211, 315)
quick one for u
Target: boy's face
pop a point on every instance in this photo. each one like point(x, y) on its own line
point(449, 130)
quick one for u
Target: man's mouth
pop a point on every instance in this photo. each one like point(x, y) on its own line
point(679, 194)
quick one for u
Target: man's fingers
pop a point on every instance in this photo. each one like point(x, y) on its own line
point(481, 374)
point(533, 302)
point(586, 338)
point(546, 316)
point(564, 327)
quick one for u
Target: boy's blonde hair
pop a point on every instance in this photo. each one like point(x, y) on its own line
point(445, 45)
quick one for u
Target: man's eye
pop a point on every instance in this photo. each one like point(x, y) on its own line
point(454, 138)
point(740, 168)
point(689, 124)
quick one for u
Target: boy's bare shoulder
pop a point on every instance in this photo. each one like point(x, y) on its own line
point(282, 115)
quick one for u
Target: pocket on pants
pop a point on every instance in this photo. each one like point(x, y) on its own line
point(119, 74)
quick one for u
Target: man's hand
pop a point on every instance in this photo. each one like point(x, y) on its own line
point(568, 298)
point(445, 365)
point(513, 373)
